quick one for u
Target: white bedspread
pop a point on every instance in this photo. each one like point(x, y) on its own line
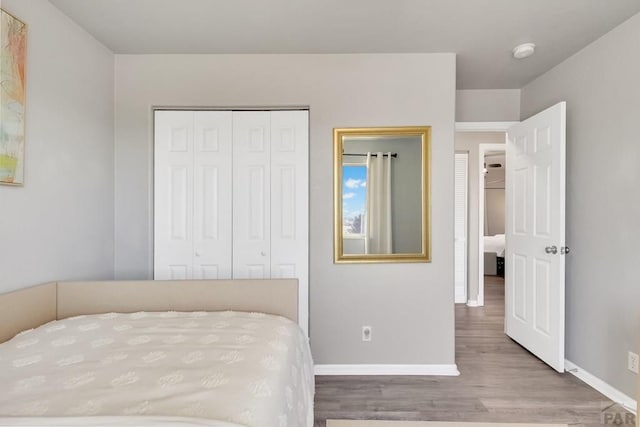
point(221, 369)
point(495, 244)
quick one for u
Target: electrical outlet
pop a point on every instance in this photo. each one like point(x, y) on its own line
point(366, 333)
point(633, 362)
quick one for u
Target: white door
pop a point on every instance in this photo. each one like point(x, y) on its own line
point(212, 193)
point(290, 202)
point(192, 195)
point(252, 196)
point(535, 235)
point(460, 234)
point(173, 198)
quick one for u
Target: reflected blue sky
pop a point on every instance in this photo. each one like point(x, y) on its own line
point(354, 193)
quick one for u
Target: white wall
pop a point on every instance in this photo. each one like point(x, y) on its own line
point(409, 306)
point(468, 142)
point(488, 105)
point(59, 225)
point(602, 90)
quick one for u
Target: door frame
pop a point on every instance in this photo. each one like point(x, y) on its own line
point(482, 127)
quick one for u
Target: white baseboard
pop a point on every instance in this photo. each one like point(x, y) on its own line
point(448, 370)
point(473, 303)
point(460, 300)
point(601, 386)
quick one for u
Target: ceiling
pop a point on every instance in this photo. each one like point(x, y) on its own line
point(481, 32)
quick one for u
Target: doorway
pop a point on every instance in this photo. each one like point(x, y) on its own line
point(491, 215)
point(534, 232)
point(469, 138)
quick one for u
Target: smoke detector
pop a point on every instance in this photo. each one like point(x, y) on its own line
point(524, 50)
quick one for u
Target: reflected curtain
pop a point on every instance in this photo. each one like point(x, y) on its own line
point(378, 220)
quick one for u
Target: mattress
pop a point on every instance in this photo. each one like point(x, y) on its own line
point(495, 244)
point(202, 368)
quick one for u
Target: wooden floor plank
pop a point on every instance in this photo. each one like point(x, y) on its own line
point(500, 382)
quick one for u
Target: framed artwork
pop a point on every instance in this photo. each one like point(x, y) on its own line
point(13, 55)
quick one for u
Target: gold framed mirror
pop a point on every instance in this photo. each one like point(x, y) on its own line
point(382, 194)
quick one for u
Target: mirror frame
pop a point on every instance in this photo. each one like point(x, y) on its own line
point(339, 134)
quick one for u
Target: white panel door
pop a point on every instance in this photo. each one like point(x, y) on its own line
point(460, 233)
point(290, 201)
point(173, 195)
point(251, 195)
point(212, 214)
point(192, 230)
point(535, 235)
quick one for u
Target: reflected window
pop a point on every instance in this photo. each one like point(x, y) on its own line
point(354, 200)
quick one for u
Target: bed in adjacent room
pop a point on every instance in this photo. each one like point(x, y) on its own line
point(224, 368)
point(494, 248)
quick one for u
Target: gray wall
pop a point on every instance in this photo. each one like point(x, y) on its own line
point(59, 225)
point(488, 105)
point(468, 142)
point(602, 90)
point(409, 306)
point(494, 206)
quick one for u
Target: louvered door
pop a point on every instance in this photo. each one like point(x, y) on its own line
point(460, 233)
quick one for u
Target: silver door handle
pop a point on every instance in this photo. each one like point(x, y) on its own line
point(551, 249)
point(564, 250)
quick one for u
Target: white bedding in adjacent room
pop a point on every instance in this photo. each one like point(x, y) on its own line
point(495, 244)
point(203, 368)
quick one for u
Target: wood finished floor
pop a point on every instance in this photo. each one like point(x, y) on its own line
point(499, 382)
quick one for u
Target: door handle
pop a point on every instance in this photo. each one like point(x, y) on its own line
point(564, 250)
point(551, 249)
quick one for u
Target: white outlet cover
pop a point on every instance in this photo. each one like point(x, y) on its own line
point(366, 333)
point(633, 362)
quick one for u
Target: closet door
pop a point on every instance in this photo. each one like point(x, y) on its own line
point(231, 196)
point(173, 195)
point(290, 201)
point(251, 195)
point(212, 215)
point(192, 230)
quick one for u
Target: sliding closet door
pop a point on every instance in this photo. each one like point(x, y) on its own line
point(192, 230)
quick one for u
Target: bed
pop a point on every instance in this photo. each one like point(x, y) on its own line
point(494, 247)
point(215, 353)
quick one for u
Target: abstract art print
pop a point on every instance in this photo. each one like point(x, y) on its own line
point(13, 49)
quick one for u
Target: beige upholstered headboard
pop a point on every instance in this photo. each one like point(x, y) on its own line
point(29, 308)
point(26, 309)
